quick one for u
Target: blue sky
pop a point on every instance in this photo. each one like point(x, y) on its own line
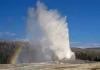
point(83, 17)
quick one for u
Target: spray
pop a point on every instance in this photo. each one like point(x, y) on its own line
point(48, 36)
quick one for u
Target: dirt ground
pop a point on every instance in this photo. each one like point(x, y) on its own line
point(51, 66)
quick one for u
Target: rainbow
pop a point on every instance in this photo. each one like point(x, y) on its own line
point(15, 55)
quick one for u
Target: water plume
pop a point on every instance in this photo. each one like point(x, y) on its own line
point(48, 35)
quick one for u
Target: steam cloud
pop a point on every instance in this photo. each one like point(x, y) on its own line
point(48, 35)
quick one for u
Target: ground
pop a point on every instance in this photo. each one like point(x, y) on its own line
point(42, 66)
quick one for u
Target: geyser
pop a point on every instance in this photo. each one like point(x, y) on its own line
point(48, 36)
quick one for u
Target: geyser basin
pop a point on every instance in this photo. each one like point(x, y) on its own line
point(48, 36)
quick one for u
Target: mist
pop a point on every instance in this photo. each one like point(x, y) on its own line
point(48, 36)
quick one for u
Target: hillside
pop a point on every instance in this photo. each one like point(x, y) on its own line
point(7, 49)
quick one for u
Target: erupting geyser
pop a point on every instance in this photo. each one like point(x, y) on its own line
point(48, 35)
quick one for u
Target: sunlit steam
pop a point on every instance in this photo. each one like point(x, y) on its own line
point(48, 35)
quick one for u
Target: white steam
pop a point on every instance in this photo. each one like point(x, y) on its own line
point(48, 34)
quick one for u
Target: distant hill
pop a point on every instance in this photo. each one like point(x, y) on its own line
point(7, 49)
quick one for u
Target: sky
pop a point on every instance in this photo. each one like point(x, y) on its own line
point(83, 18)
